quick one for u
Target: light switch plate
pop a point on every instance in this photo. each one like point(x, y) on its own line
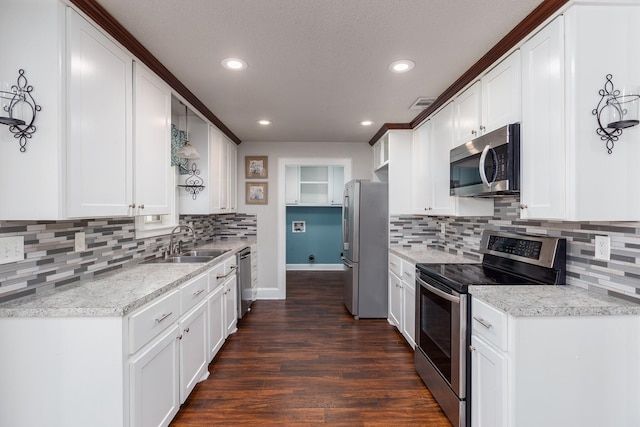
point(80, 243)
point(11, 249)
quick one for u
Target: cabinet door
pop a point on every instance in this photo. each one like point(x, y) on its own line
point(542, 137)
point(99, 146)
point(501, 96)
point(440, 145)
point(152, 143)
point(154, 382)
point(467, 114)
point(395, 301)
point(216, 151)
point(488, 385)
point(292, 185)
point(231, 305)
point(216, 321)
point(409, 313)
point(421, 194)
point(337, 185)
point(193, 349)
point(233, 178)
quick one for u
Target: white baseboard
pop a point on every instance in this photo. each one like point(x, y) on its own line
point(313, 267)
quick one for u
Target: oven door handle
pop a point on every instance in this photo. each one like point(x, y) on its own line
point(438, 292)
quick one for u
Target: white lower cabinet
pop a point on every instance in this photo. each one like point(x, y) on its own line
point(402, 296)
point(553, 371)
point(154, 378)
point(488, 385)
point(193, 349)
point(409, 303)
point(231, 305)
point(217, 330)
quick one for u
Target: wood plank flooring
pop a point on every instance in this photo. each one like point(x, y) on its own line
point(306, 361)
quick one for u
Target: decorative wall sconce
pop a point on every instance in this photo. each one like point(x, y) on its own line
point(20, 94)
point(193, 183)
point(618, 110)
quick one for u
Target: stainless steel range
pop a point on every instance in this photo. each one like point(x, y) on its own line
point(443, 308)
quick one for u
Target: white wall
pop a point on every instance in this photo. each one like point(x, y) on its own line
point(271, 281)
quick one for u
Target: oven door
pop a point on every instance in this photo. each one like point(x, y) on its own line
point(441, 331)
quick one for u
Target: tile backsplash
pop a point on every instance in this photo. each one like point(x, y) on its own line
point(619, 276)
point(50, 259)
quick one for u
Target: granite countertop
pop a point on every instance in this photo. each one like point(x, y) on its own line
point(549, 301)
point(119, 293)
point(430, 255)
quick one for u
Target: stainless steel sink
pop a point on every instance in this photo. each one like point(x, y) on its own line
point(186, 259)
point(205, 252)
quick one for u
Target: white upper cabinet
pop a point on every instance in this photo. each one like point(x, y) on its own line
point(542, 169)
point(567, 172)
point(152, 143)
point(99, 125)
point(490, 103)
point(467, 107)
point(314, 185)
point(381, 153)
point(439, 143)
point(501, 94)
point(422, 188)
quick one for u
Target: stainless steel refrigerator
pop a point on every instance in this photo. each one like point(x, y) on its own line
point(365, 225)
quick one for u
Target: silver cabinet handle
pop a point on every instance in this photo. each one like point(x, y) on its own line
point(472, 348)
point(393, 264)
point(187, 330)
point(523, 206)
point(483, 322)
point(198, 292)
point(132, 205)
point(222, 276)
point(163, 316)
point(474, 132)
point(482, 128)
point(141, 206)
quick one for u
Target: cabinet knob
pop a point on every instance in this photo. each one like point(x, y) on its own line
point(132, 205)
point(482, 128)
point(179, 336)
point(141, 206)
point(187, 330)
point(474, 132)
point(523, 206)
point(472, 348)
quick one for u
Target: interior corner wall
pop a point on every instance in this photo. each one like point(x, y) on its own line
point(361, 155)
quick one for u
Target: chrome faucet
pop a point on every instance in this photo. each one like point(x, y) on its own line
point(172, 246)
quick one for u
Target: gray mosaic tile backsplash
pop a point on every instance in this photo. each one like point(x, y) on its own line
point(50, 259)
point(619, 276)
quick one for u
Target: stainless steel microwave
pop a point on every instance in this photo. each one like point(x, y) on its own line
point(487, 166)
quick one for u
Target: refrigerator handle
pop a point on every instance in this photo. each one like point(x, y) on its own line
point(345, 244)
point(346, 262)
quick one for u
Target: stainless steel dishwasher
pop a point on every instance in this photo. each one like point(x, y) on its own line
point(244, 281)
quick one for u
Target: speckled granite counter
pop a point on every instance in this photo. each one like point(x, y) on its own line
point(433, 256)
point(118, 293)
point(546, 301)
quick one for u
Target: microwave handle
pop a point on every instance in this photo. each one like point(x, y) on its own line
point(483, 158)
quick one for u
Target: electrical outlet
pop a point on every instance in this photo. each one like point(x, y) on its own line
point(443, 227)
point(80, 243)
point(603, 248)
point(11, 249)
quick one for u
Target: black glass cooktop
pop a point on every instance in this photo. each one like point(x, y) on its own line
point(461, 276)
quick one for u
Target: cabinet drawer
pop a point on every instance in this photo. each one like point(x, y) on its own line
point(230, 265)
point(489, 323)
point(194, 291)
point(216, 276)
point(395, 265)
point(409, 273)
point(149, 321)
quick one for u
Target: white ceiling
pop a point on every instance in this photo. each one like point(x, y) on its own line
point(316, 67)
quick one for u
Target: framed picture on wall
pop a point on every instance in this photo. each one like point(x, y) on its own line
point(256, 193)
point(256, 167)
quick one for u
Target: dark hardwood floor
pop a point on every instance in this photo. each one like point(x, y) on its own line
point(306, 361)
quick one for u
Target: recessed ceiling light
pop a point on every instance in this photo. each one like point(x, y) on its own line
point(234, 64)
point(402, 66)
point(264, 122)
point(366, 123)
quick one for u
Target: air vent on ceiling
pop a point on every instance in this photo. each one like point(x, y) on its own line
point(422, 102)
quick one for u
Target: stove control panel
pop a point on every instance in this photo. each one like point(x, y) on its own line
point(515, 246)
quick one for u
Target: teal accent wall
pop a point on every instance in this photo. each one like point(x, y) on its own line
point(323, 236)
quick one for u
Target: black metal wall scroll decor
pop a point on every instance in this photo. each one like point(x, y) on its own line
point(615, 111)
point(20, 95)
